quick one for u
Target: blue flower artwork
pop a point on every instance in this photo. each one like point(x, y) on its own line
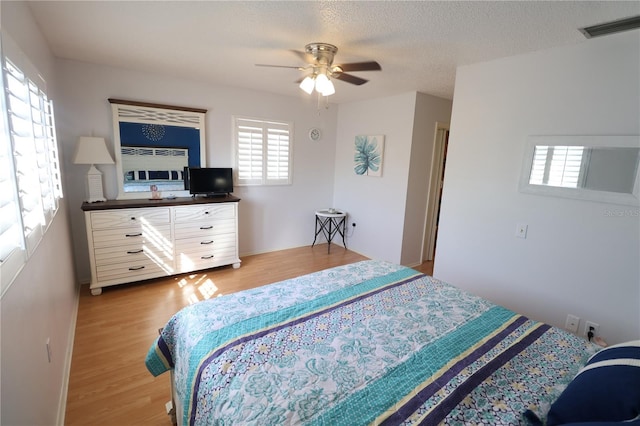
point(368, 155)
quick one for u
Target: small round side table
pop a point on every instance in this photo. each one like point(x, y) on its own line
point(330, 222)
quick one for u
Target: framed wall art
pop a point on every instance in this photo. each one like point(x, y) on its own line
point(369, 151)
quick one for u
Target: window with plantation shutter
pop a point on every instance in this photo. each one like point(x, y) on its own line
point(11, 236)
point(262, 152)
point(46, 147)
point(30, 181)
point(25, 155)
point(557, 166)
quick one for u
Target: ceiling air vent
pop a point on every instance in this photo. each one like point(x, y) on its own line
point(611, 27)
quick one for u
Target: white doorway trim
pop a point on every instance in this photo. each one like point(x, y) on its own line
point(435, 186)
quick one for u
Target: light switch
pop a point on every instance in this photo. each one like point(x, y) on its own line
point(521, 230)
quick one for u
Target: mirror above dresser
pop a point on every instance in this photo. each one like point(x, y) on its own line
point(153, 143)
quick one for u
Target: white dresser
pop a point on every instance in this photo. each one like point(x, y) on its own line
point(132, 240)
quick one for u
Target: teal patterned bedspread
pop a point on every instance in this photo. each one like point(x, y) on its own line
point(366, 343)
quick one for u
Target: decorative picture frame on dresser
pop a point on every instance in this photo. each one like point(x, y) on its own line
point(153, 143)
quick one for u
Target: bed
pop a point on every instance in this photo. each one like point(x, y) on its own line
point(163, 167)
point(366, 343)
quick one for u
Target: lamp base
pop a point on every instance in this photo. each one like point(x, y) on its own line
point(94, 186)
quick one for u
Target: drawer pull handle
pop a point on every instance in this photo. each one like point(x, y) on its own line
point(139, 234)
point(207, 257)
point(136, 268)
point(206, 212)
point(133, 218)
point(135, 251)
point(207, 242)
point(207, 227)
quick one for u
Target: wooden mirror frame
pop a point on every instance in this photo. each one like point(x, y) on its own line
point(124, 111)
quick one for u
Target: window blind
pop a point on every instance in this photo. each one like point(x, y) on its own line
point(10, 224)
point(277, 153)
point(565, 166)
point(557, 166)
point(249, 152)
point(263, 152)
point(25, 154)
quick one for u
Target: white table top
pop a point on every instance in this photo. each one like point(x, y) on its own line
point(327, 213)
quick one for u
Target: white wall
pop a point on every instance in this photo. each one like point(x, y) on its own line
point(578, 257)
point(429, 111)
point(41, 302)
point(271, 218)
point(375, 204)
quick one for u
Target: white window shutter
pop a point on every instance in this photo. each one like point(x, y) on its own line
point(557, 166)
point(30, 180)
point(52, 148)
point(278, 154)
point(249, 152)
point(565, 167)
point(25, 154)
point(263, 152)
point(538, 166)
point(12, 252)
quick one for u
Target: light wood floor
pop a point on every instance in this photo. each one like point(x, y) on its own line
point(109, 384)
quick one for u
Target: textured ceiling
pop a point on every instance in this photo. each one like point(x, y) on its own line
point(418, 43)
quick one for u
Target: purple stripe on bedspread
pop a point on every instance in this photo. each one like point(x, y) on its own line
point(267, 330)
point(165, 351)
point(443, 409)
point(414, 403)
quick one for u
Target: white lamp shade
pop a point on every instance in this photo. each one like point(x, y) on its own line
point(307, 84)
point(321, 82)
point(328, 88)
point(92, 150)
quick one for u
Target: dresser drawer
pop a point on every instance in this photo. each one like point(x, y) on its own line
point(210, 228)
point(158, 236)
point(198, 244)
point(107, 219)
point(205, 253)
point(204, 212)
point(135, 271)
point(132, 253)
point(188, 263)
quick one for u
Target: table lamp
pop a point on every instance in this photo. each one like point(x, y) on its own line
point(92, 150)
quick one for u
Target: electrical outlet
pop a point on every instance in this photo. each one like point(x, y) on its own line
point(571, 324)
point(588, 325)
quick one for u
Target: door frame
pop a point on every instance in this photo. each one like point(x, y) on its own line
point(433, 201)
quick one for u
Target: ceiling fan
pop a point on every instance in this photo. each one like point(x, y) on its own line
point(320, 69)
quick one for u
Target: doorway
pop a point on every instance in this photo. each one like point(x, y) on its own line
point(434, 198)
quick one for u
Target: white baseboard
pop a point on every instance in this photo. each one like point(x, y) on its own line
point(64, 391)
point(241, 255)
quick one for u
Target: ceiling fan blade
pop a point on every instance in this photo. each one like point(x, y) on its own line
point(350, 78)
point(307, 58)
point(361, 66)
point(279, 66)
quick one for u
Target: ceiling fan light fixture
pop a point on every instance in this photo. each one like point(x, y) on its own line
point(308, 84)
point(321, 83)
point(328, 89)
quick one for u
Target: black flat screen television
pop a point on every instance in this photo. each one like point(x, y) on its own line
point(209, 181)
